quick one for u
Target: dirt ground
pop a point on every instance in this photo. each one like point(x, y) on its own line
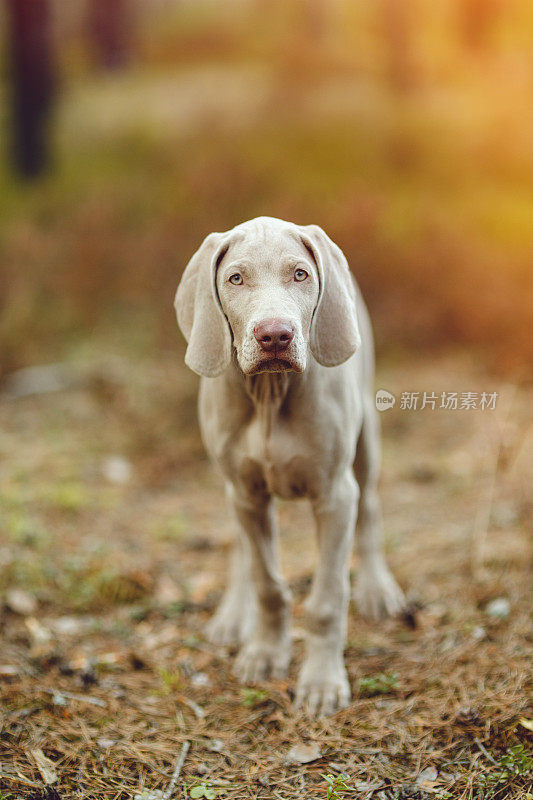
point(114, 540)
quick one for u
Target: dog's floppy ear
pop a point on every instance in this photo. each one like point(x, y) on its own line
point(334, 329)
point(199, 313)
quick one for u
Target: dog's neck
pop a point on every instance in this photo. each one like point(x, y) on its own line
point(267, 392)
point(267, 388)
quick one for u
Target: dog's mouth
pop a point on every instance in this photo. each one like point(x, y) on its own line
point(276, 364)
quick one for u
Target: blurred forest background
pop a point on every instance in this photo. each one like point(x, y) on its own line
point(405, 129)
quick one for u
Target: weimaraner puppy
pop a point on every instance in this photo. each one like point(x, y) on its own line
point(279, 333)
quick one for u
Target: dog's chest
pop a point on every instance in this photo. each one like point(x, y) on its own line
point(274, 459)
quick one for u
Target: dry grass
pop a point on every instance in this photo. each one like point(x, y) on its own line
point(110, 673)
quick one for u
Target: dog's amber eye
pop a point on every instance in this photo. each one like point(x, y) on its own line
point(236, 279)
point(300, 275)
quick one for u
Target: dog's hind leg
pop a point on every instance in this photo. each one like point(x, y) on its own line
point(376, 592)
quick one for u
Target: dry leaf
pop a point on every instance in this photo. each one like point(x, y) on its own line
point(46, 767)
point(38, 633)
point(526, 723)
point(304, 753)
point(367, 786)
point(105, 744)
point(199, 586)
point(9, 671)
point(427, 777)
point(166, 591)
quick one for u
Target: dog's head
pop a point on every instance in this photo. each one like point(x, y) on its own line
point(271, 290)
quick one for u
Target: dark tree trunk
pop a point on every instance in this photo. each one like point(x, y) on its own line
point(110, 27)
point(32, 84)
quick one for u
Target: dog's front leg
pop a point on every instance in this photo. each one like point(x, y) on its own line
point(323, 684)
point(267, 652)
point(234, 619)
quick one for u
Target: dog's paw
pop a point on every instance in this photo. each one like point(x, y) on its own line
point(322, 691)
point(260, 659)
point(232, 623)
point(377, 594)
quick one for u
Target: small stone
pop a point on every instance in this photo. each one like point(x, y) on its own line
point(201, 679)
point(117, 469)
point(21, 602)
point(479, 633)
point(500, 608)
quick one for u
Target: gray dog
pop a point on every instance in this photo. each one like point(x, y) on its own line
point(279, 333)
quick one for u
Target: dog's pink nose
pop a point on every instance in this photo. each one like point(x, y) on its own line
point(274, 334)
